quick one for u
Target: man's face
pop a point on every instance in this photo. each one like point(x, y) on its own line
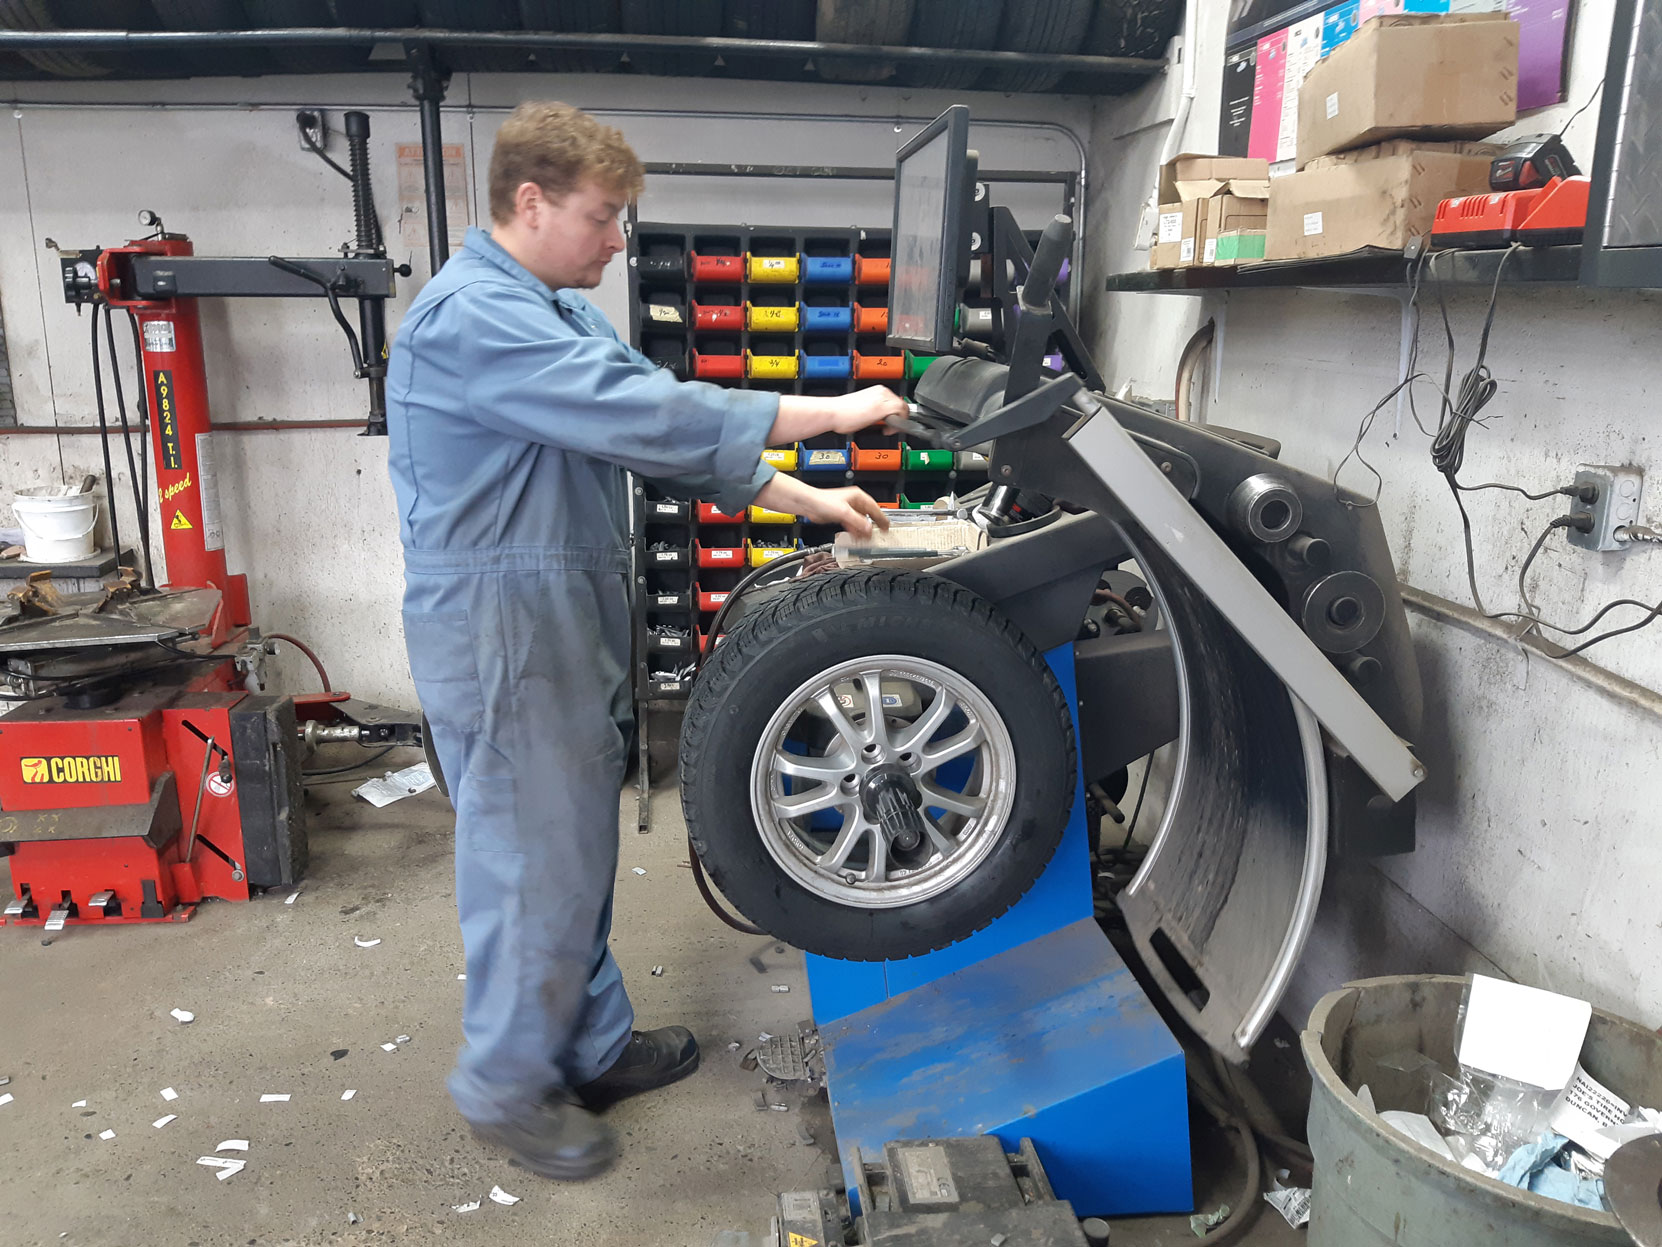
point(570, 241)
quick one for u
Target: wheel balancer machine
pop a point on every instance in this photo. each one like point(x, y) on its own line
point(139, 774)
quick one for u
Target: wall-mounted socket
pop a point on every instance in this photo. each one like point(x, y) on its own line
point(313, 124)
point(1620, 497)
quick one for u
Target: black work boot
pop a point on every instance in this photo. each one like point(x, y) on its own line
point(555, 1139)
point(651, 1059)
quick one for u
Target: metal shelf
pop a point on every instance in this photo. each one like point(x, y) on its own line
point(1544, 266)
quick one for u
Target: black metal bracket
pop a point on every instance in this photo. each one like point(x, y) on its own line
point(1027, 412)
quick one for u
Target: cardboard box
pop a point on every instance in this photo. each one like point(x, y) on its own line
point(1411, 74)
point(1192, 173)
point(1378, 202)
point(1402, 147)
point(1243, 205)
point(1182, 235)
point(1239, 247)
point(1188, 185)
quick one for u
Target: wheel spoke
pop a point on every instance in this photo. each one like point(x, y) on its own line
point(928, 723)
point(877, 867)
point(833, 858)
point(952, 747)
point(938, 798)
point(876, 728)
point(826, 700)
point(944, 844)
point(826, 770)
point(797, 804)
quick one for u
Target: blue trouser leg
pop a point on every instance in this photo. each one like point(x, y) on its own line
point(530, 732)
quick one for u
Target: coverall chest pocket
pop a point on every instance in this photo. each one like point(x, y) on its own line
point(445, 668)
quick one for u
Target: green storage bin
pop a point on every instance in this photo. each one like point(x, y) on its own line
point(928, 460)
point(916, 364)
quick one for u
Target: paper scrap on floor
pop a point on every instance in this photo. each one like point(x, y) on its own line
point(473, 1207)
point(234, 1145)
point(1523, 1033)
point(502, 1197)
point(396, 785)
point(184, 1015)
point(162, 1121)
point(1292, 1202)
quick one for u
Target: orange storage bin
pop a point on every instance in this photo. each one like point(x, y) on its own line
point(871, 271)
point(875, 459)
point(879, 367)
point(871, 319)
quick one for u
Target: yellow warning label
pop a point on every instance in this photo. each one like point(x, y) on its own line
point(802, 1240)
point(179, 521)
point(72, 770)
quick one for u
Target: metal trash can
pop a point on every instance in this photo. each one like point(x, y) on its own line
point(1374, 1185)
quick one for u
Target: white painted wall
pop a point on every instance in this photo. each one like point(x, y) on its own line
point(1537, 830)
point(309, 513)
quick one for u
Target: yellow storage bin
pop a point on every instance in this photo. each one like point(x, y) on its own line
point(783, 269)
point(772, 319)
point(761, 556)
point(784, 460)
point(761, 515)
point(776, 366)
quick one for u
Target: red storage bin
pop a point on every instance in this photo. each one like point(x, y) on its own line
point(871, 319)
point(717, 367)
point(729, 268)
point(717, 317)
point(707, 514)
point(711, 600)
point(879, 367)
point(871, 271)
point(719, 556)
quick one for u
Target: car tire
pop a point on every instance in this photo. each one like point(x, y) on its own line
point(952, 24)
point(1023, 771)
point(1039, 26)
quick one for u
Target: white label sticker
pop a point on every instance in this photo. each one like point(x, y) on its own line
point(1186, 253)
point(1171, 227)
point(213, 536)
point(1211, 251)
point(1312, 223)
point(1333, 106)
point(158, 336)
point(664, 313)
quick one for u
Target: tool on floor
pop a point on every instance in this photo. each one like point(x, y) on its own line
point(141, 769)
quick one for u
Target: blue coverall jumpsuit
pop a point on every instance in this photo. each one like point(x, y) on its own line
point(513, 411)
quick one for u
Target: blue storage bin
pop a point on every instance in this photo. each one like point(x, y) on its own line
point(822, 459)
point(827, 320)
point(827, 268)
point(822, 367)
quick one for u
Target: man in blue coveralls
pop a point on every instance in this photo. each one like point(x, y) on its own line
point(514, 411)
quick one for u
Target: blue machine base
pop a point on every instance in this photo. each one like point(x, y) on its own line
point(1030, 1028)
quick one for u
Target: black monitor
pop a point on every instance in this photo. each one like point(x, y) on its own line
point(934, 195)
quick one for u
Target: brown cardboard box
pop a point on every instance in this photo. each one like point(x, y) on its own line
point(1182, 236)
point(1243, 206)
point(1192, 169)
point(1380, 202)
point(1421, 74)
point(1402, 147)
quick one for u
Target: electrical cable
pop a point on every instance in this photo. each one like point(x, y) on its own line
point(1142, 791)
point(143, 441)
point(1563, 521)
point(104, 436)
point(749, 581)
point(308, 652)
point(306, 138)
point(141, 500)
point(359, 765)
point(1582, 109)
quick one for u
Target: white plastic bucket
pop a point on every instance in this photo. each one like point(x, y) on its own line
point(56, 529)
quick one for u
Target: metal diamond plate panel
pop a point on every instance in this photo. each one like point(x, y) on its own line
point(1635, 217)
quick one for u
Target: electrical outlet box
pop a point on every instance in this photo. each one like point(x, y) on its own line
point(313, 124)
point(1620, 495)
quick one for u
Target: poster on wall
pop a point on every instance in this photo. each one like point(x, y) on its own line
point(412, 196)
point(1273, 43)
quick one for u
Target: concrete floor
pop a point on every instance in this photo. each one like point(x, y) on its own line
point(278, 989)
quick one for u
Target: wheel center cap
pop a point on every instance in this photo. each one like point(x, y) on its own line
point(890, 798)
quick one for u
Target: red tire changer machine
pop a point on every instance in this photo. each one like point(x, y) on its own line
point(140, 770)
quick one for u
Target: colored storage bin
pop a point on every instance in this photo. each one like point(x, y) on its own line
point(784, 270)
point(708, 317)
point(784, 460)
point(879, 367)
point(775, 366)
point(906, 504)
point(825, 367)
point(719, 556)
point(662, 266)
point(707, 514)
point(666, 509)
point(827, 319)
point(876, 459)
point(717, 268)
point(664, 558)
point(826, 269)
point(824, 459)
point(761, 515)
point(917, 365)
point(871, 270)
point(1055, 362)
point(772, 319)
point(711, 599)
point(970, 461)
point(871, 319)
point(668, 601)
point(669, 645)
point(761, 556)
point(928, 460)
point(718, 367)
